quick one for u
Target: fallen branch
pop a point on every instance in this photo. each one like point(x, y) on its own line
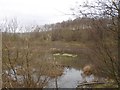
point(91, 83)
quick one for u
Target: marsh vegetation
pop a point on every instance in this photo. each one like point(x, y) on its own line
point(33, 60)
point(40, 55)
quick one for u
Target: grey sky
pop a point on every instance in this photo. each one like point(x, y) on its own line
point(36, 11)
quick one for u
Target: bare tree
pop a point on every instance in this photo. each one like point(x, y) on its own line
point(105, 23)
point(18, 58)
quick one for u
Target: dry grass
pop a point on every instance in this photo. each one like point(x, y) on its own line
point(41, 55)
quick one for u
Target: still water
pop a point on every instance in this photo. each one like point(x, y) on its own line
point(70, 79)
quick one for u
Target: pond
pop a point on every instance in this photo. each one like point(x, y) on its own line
point(70, 79)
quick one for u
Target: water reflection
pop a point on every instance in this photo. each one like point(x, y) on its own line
point(70, 79)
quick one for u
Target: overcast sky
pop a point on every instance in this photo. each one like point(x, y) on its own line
point(37, 11)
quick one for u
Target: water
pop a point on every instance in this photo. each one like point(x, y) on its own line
point(70, 78)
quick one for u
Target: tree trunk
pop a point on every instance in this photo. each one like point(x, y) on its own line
point(119, 44)
point(56, 83)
